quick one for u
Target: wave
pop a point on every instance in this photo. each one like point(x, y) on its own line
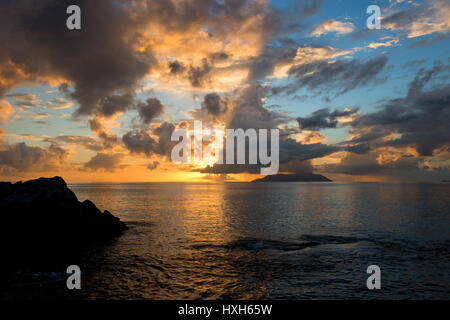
point(310, 241)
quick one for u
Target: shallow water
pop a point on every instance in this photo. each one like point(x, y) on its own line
point(270, 241)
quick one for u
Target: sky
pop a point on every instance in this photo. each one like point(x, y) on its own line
point(100, 104)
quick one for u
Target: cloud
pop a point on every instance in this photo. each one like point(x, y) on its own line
point(106, 140)
point(25, 100)
point(176, 67)
point(270, 57)
point(109, 140)
point(150, 110)
point(110, 105)
point(214, 104)
point(103, 161)
point(328, 76)
point(334, 26)
point(152, 165)
point(217, 177)
point(213, 108)
point(423, 76)
point(40, 115)
point(249, 110)
point(323, 118)
point(294, 157)
point(402, 167)
point(139, 142)
point(419, 120)
point(198, 75)
point(130, 41)
point(297, 166)
point(158, 143)
point(21, 157)
point(96, 125)
point(111, 64)
point(427, 18)
point(58, 104)
point(376, 45)
point(5, 110)
point(88, 143)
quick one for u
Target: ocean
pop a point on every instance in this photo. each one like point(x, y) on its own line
point(273, 240)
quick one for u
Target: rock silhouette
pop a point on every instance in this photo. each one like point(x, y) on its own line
point(43, 219)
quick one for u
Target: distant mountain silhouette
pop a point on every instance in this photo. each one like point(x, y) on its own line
point(305, 177)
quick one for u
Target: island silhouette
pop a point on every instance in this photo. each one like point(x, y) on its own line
point(303, 177)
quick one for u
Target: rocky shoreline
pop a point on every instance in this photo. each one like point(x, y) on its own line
point(42, 222)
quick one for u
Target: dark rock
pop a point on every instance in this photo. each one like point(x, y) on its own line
point(43, 219)
point(305, 177)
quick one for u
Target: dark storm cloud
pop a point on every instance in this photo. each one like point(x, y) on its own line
point(150, 110)
point(293, 157)
point(293, 150)
point(423, 76)
point(356, 164)
point(164, 133)
point(279, 24)
point(199, 75)
point(214, 104)
point(176, 67)
point(340, 76)
point(39, 27)
point(101, 61)
point(264, 64)
point(141, 142)
point(323, 118)
point(421, 118)
point(297, 166)
point(108, 106)
point(249, 110)
point(275, 25)
point(406, 167)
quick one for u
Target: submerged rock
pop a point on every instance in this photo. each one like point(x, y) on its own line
point(43, 218)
